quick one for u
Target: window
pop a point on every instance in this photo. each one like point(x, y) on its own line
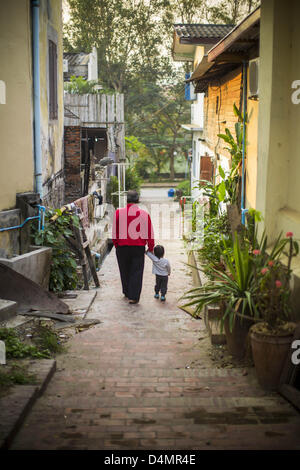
point(52, 80)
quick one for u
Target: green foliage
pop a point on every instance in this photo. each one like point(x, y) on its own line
point(63, 274)
point(47, 340)
point(132, 182)
point(235, 143)
point(132, 39)
point(216, 230)
point(80, 86)
point(185, 187)
point(212, 192)
point(229, 11)
point(273, 282)
point(251, 283)
point(16, 374)
point(127, 34)
point(234, 287)
point(143, 167)
point(112, 187)
point(156, 116)
point(15, 348)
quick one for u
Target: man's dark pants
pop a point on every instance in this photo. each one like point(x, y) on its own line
point(161, 284)
point(131, 260)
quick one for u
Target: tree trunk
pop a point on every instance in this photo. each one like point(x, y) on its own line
point(172, 171)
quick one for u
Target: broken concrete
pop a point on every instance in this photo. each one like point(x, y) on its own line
point(80, 304)
point(56, 316)
point(29, 295)
point(34, 265)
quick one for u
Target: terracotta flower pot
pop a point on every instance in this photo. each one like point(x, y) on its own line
point(269, 355)
point(237, 339)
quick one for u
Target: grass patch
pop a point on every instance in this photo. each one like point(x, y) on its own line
point(45, 343)
point(47, 340)
point(15, 374)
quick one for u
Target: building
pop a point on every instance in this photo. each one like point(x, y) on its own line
point(31, 112)
point(94, 130)
point(81, 64)
point(256, 65)
point(191, 42)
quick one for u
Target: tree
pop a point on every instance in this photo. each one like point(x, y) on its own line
point(229, 11)
point(158, 121)
point(80, 86)
point(127, 34)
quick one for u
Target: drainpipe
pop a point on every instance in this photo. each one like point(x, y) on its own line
point(243, 210)
point(36, 96)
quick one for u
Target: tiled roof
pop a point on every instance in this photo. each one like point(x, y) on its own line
point(194, 31)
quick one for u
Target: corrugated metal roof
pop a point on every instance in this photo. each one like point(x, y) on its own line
point(194, 31)
point(77, 58)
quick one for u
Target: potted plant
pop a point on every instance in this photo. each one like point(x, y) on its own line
point(234, 290)
point(272, 336)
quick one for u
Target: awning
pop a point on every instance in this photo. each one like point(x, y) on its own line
point(201, 69)
point(241, 44)
point(241, 38)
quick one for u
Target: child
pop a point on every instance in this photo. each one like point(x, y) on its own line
point(162, 269)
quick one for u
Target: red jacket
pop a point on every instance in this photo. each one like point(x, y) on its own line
point(132, 226)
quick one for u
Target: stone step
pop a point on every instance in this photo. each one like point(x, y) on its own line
point(8, 309)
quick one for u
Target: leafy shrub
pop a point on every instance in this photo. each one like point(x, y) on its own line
point(47, 340)
point(214, 229)
point(112, 187)
point(63, 274)
point(185, 187)
point(132, 182)
point(80, 86)
point(16, 374)
point(143, 167)
point(15, 348)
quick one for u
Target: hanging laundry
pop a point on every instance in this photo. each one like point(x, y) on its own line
point(82, 203)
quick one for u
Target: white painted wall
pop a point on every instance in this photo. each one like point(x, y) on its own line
point(197, 110)
point(93, 65)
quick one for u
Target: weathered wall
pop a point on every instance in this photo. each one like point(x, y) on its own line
point(51, 129)
point(34, 265)
point(72, 150)
point(218, 109)
point(100, 111)
point(9, 239)
point(16, 134)
point(278, 190)
point(276, 141)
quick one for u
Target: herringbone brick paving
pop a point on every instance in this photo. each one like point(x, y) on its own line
point(131, 383)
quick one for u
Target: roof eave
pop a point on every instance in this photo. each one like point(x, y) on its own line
point(233, 36)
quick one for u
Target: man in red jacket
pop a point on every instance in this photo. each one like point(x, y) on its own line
point(132, 230)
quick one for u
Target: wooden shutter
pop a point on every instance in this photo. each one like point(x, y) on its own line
point(206, 168)
point(52, 80)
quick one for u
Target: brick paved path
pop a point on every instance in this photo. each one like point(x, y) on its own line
point(142, 379)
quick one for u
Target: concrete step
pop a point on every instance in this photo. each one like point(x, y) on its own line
point(8, 309)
